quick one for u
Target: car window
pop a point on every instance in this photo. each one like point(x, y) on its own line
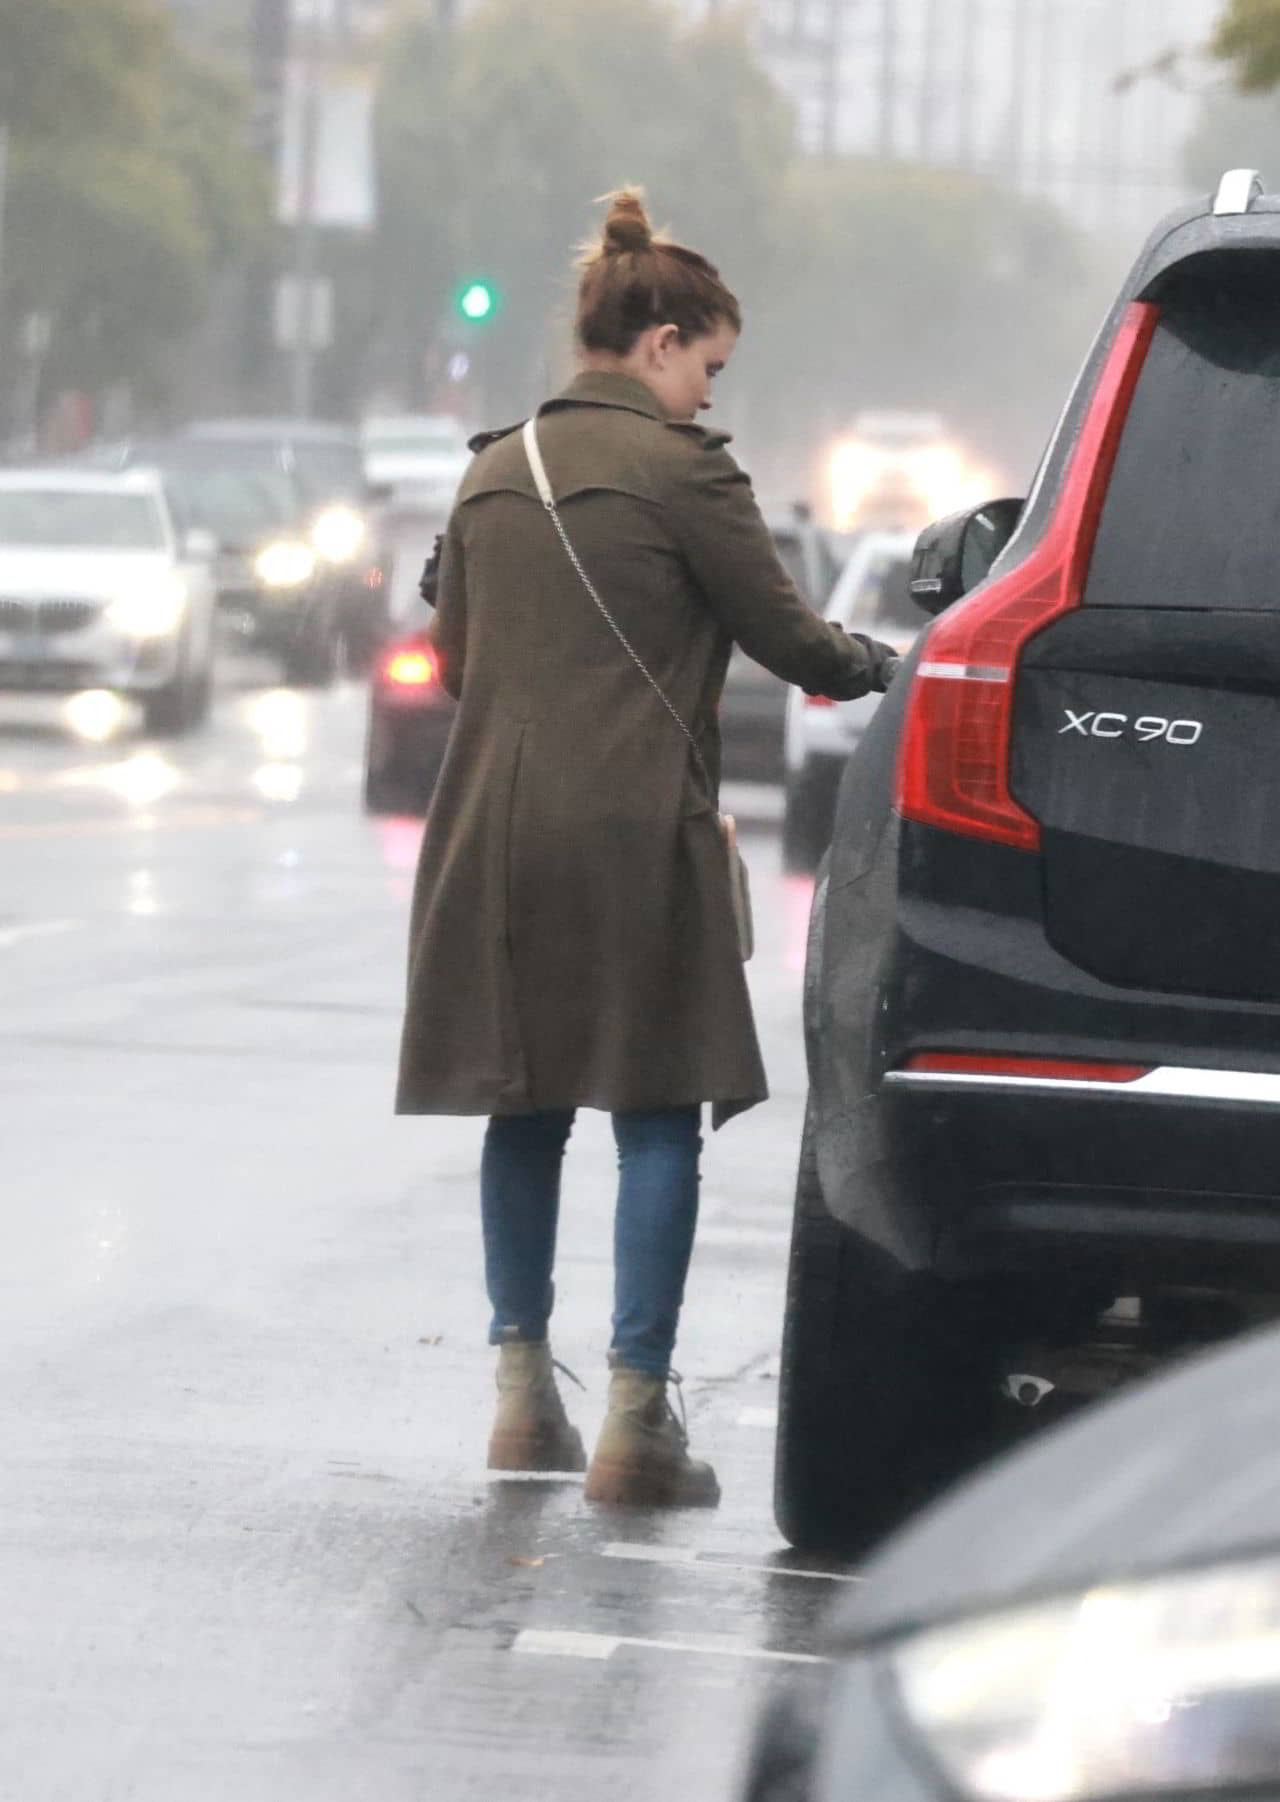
point(328, 472)
point(236, 505)
point(443, 440)
point(68, 519)
point(1193, 508)
point(883, 602)
point(224, 453)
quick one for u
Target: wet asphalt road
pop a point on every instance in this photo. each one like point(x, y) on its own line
point(248, 1547)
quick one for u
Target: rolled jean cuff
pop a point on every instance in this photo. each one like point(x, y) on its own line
point(647, 1366)
point(517, 1335)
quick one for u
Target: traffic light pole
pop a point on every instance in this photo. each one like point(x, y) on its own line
point(302, 365)
point(4, 189)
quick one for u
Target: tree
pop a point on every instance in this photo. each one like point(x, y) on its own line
point(1247, 35)
point(903, 286)
point(489, 162)
point(421, 166)
point(863, 283)
point(128, 188)
point(73, 72)
point(1233, 131)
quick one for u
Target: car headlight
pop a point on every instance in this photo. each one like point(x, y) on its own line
point(150, 607)
point(338, 534)
point(287, 563)
point(1167, 1684)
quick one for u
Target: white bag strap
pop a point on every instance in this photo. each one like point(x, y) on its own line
point(529, 435)
point(539, 468)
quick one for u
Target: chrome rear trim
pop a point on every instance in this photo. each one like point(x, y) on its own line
point(1181, 1081)
point(963, 672)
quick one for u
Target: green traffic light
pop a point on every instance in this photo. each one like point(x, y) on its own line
point(477, 301)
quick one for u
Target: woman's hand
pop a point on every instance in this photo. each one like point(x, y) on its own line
point(882, 659)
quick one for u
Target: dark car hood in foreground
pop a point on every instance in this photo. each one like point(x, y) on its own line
point(1180, 1470)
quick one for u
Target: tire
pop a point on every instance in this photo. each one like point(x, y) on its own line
point(887, 1388)
point(181, 705)
point(396, 780)
point(808, 816)
point(359, 652)
point(385, 795)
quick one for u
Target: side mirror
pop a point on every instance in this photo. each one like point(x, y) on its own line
point(199, 545)
point(956, 553)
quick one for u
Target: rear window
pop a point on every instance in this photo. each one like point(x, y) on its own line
point(236, 505)
point(1192, 515)
point(329, 472)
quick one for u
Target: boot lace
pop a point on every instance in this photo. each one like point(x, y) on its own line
point(680, 1421)
point(566, 1372)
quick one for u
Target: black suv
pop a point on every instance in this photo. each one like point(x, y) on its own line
point(1043, 989)
point(325, 465)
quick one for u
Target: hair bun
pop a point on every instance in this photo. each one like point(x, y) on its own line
point(627, 226)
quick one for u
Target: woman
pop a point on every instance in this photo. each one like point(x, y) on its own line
point(572, 940)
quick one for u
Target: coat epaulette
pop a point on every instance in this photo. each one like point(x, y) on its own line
point(709, 437)
point(483, 440)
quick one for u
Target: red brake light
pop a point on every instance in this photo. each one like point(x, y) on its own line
point(411, 669)
point(1058, 1069)
point(954, 770)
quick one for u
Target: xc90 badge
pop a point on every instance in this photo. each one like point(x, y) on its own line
point(1147, 726)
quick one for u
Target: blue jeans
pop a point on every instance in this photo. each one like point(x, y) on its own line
point(657, 1212)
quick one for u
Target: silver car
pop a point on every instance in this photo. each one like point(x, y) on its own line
point(752, 707)
point(100, 590)
point(872, 596)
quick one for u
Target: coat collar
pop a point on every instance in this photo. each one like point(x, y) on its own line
point(602, 388)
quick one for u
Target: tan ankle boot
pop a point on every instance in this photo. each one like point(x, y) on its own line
point(531, 1430)
point(642, 1457)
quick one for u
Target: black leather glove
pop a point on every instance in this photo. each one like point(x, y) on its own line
point(882, 661)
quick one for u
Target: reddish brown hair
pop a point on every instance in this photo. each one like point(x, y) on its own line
point(633, 279)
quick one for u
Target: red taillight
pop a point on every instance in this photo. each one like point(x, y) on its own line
point(954, 771)
point(411, 669)
point(1057, 1069)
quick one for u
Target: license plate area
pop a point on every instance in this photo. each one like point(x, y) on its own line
point(1161, 827)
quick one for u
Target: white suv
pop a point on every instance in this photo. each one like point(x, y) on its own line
point(871, 596)
point(99, 589)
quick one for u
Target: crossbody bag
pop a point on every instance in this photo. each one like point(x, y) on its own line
point(739, 886)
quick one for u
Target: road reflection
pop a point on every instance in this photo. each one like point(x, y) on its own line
point(279, 719)
point(278, 781)
point(797, 900)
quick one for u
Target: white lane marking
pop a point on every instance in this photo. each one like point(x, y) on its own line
point(542, 1642)
point(14, 935)
point(545, 1643)
point(758, 1417)
point(685, 1556)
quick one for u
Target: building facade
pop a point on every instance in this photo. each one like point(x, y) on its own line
point(1086, 102)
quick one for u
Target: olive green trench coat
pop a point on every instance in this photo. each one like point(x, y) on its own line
point(571, 939)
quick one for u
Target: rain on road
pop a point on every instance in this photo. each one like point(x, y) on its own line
point(247, 1544)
